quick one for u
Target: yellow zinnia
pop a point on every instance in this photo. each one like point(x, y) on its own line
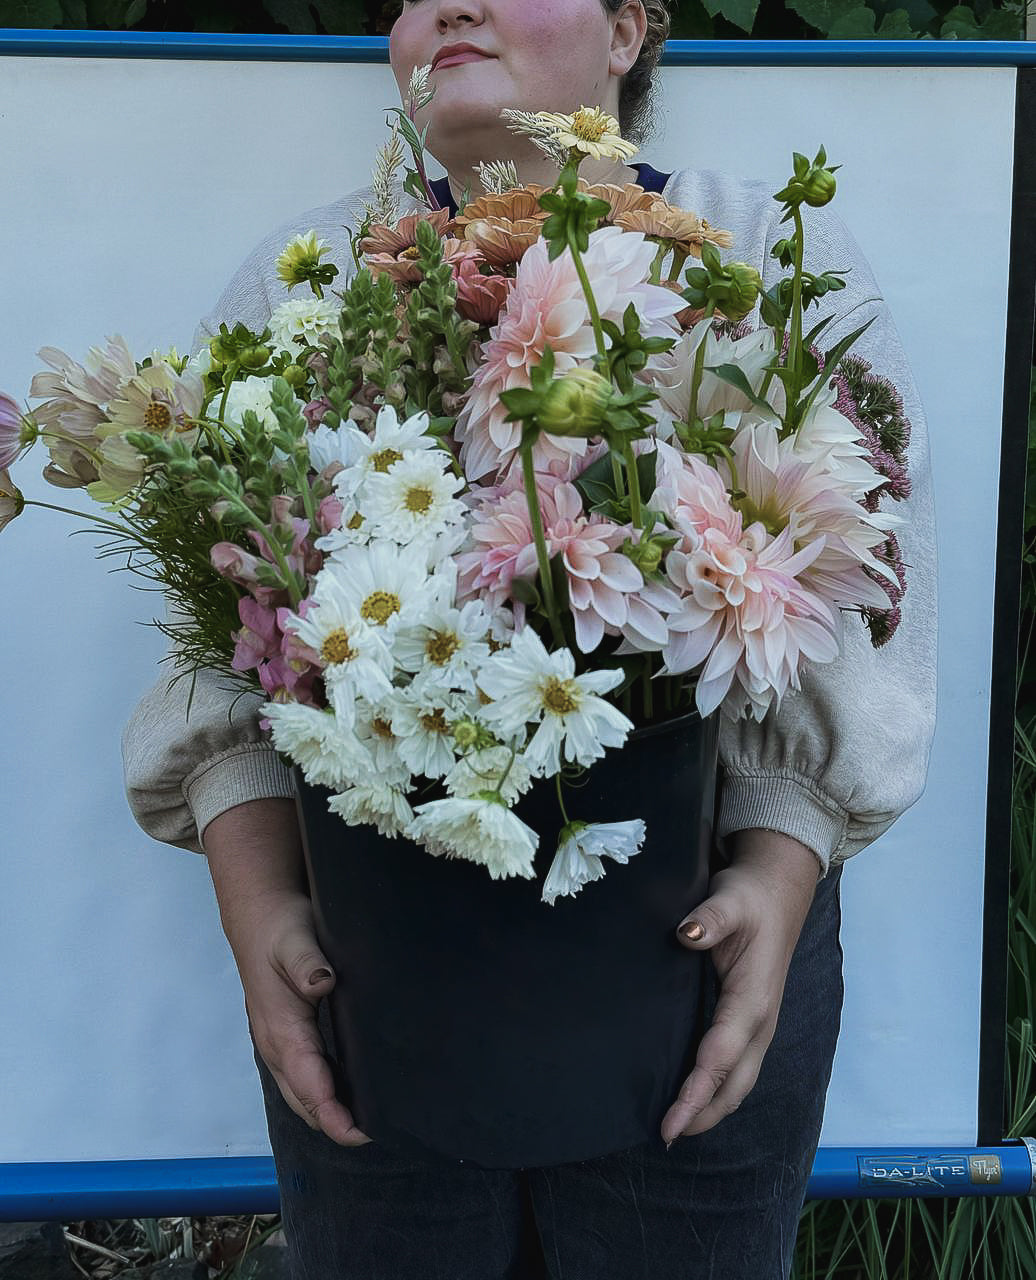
point(591, 131)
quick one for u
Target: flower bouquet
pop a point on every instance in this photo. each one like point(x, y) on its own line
point(499, 533)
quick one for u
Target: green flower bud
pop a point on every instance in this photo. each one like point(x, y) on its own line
point(647, 554)
point(220, 352)
point(466, 733)
point(575, 404)
point(294, 375)
point(818, 188)
point(745, 286)
point(254, 357)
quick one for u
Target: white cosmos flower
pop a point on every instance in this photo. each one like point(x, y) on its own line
point(328, 752)
point(422, 717)
point(387, 586)
point(394, 440)
point(446, 642)
point(490, 769)
point(578, 859)
point(414, 499)
point(373, 727)
point(481, 829)
point(376, 804)
point(529, 685)
point(342, 444)
point(353, 653)
point(304, 318)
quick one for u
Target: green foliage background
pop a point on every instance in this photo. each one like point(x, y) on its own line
point(692, 19)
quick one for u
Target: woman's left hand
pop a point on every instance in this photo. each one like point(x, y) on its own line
point(751, 920)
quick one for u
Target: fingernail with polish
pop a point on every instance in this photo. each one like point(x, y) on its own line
point(694, 931)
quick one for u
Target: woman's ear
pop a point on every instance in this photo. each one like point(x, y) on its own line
point(627, 37)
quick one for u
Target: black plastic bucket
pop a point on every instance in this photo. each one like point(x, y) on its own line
point(473, 1021)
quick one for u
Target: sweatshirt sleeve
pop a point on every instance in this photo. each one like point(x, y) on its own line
point(192, 747)
point(845, 755)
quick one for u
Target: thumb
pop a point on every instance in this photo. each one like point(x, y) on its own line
point(709, 923)
point(303, 963)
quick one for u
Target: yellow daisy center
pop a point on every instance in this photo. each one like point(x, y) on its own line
point(412, 252)
point(355, 521)
point(384, 458)
point(588, 126)
point(336, 647)
point(441, 646)
point(560, 696)
point(381, 727)
point(434, 722)
point(157, 417)
point(380, 606)
point(418, 500)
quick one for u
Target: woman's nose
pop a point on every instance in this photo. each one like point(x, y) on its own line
point(454, 12)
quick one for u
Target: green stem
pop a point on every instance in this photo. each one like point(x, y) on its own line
point(292, 585)
point(634, 483)
point(660, 257)
point(795, 339)
point(85, 515)
point(679, 258)
point(542, 559)
point(699, 365)
point(591, 301)
point(648, 691)
point(561, 803)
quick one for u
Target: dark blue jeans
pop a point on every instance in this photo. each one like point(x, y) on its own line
point(722, 1205)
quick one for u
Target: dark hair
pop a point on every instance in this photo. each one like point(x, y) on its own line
point(636, 94)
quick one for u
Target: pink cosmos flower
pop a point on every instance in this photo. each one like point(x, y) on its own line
point(10, 430)
point(547, 307)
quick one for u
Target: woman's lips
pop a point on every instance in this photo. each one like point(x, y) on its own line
point(455, 58)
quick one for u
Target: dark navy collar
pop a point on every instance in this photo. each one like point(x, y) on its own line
point(650, 179)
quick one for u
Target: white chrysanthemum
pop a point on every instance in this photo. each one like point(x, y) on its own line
point(490, 769)
point(422, 717)
point(329, 445)
point(446, 642)
point(414, 499)
point(578, 859)
point(376, 804)
point(481, 829)
point(305, 318)
point(387, 585)
point(328, 752)
point(353, 653)
point(528, 685)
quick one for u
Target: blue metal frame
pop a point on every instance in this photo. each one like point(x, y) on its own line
point(67, 1192)
point(72, 1190)
point(704, 53)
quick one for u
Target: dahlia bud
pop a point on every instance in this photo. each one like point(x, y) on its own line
point(647, 554)
point(745, 284)
point(575, 404)
point(818, 188)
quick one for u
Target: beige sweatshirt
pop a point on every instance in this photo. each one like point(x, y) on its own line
point(837, 763)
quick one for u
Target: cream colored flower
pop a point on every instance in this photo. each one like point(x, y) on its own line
point(299, 257)
point(591, 131)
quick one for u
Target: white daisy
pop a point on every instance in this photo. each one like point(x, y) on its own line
point(387, 585)
point(447, 642)
point(581, 847)
point(414, 499)
point(490, 769)
point(422, 717)
point(376, 804)
point(481, 829)
point(328, 752)
point(352, 652)
point(394, 440)
point(374, 729)
point(529, 685)
point(305, 318)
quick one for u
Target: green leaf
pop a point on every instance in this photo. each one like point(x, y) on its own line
point(647, 464)
point(740, 12)
point(30, 13)
point(735, 376)
point(961, 23)
point(860, 25)
point(823, 14)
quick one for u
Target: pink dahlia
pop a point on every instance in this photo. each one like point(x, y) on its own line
point(480, 297)
point(547, 307)
point(601, 579)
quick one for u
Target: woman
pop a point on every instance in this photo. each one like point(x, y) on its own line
point(802, 792)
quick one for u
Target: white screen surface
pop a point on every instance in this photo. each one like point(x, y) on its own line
point(126, 1032)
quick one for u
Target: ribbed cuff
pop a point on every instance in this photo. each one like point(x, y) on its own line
point(786, 803)
point(251, 771)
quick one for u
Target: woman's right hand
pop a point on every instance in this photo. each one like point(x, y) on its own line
point(267, 916)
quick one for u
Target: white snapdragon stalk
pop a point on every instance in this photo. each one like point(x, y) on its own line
point(528, 685)
point(581, 846)
point(480, 828)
